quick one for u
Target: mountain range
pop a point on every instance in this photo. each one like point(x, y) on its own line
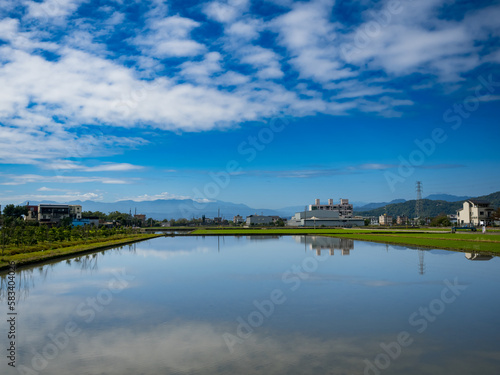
point(430, 208)
point(161, 209)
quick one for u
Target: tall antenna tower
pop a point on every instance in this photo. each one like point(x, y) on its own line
point(418, 202)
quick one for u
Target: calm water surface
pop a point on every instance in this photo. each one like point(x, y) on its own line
point(258, 305)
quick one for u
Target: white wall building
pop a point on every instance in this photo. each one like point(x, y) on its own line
point(385, 220)
point(475, 212)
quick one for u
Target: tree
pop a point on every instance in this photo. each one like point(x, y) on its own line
point(66, 222)
point(14, 211)
point(280, 222)
point(99, 214)
point(440, 221)
point(496, 214)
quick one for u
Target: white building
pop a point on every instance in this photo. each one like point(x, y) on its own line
point(475, 212)
point(385, 220)
point(54, 213)
point(329, 215)
point(238, 219)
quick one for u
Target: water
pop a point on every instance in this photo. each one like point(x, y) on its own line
point(258, 305)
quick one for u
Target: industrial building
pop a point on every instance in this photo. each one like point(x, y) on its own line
point(259, 220)
point(329, 215)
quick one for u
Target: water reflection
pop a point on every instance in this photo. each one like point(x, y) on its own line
point(478, 256)
point(319, 243)
point(26, 277)
point(171, 319)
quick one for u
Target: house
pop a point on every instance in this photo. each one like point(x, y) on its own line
point(402, 220)
point(140, 217)
point(385, 220)
point(238, 219)
point(75, 211)
point(475, 212)
point(52, 213)
point(31, 214)
point(329, 215)
point(374, 221)
point(453, 218)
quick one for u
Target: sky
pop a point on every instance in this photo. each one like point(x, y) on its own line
point(267, 103)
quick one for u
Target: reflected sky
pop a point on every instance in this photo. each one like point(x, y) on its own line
point(176, 306)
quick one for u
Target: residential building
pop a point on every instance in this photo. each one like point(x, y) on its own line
point(385, 220)
point(31, 214)
point(329, 215)
point(453, 218)
point(475, 212)
point(141, 217)
point(374, 221)
point(401, 220)
point(238, 219)
point(259, 220)
point(52, 213)
point(75, 211)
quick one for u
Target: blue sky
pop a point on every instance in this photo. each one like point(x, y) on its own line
point(267, 103)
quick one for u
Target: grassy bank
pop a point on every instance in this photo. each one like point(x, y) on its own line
point(60, 250)
point(448, 241)
point(476, 242)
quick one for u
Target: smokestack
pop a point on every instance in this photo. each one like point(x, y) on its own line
point(316, 202)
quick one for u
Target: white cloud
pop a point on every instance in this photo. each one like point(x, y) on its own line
point(44, 100)
point(169, 37)
point(71, 196)
point(43, 188)
point(266, 61)
point(106, 167)
point(225, 12)
point(164, 195)
point(33, 178)
point(50, 9)
point(309, 37)
point(202, 72)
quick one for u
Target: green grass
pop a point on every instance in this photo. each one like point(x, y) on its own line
point(64, 249)
point(451, 241)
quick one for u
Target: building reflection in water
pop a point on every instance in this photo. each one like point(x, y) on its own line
point(478, 256)
point(261, 238)
point(320, 243)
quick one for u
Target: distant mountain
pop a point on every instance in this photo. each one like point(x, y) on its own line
point(372, 206)
point(430, 208)
point(447, 197)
